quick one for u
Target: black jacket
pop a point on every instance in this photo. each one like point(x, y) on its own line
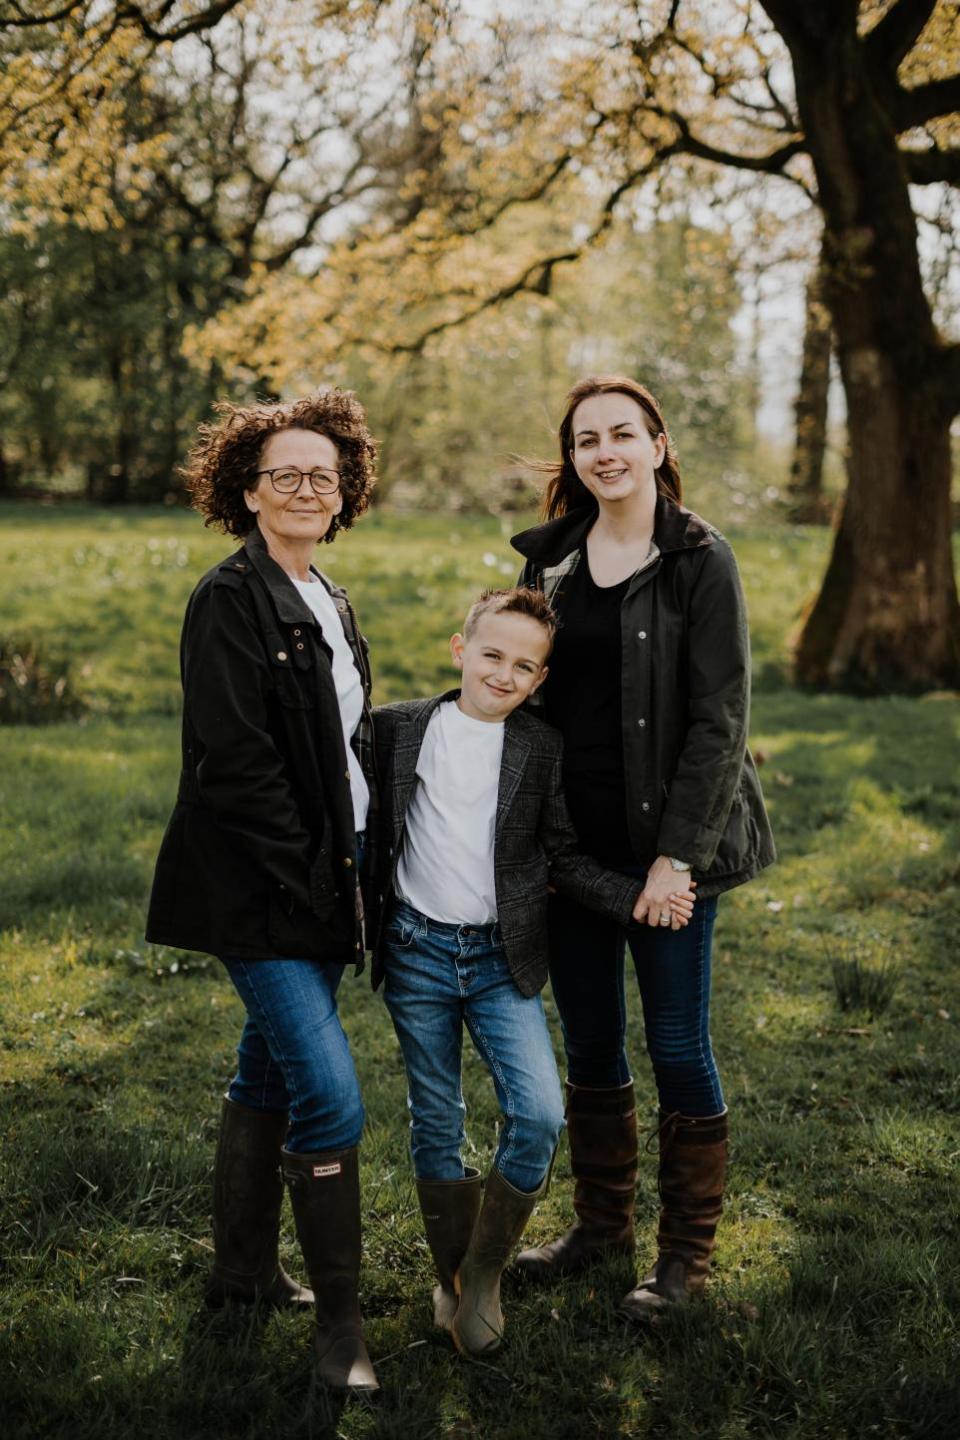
point(692, 787)
point(534, 840)
point(258, 858)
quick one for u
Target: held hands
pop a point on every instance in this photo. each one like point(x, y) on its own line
point(669, 893)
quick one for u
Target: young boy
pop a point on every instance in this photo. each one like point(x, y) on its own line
point(474, 829)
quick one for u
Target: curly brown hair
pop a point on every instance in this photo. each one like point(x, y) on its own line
point(223, 462)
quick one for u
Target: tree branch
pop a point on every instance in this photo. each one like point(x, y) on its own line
point(925, 102)
point(203, 20)
point(813, 22)
point(52, 17)
point(897, 33)
point(932, 167)
point(770, 164)
point(535, 279)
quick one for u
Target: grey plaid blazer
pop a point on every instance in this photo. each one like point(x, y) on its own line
point(535, 843)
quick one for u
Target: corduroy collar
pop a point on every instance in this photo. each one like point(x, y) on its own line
point(290, 604)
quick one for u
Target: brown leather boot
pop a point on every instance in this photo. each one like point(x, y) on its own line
point(602, 1128)
point(325, 1192)
point(478, 1324)
point(449, 1209)
point(693, 1165)
point(247, 1199)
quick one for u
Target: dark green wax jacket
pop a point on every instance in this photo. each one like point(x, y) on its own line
point(692, 787)
point(259, 856)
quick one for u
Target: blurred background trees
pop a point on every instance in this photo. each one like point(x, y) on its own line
point(460, 208)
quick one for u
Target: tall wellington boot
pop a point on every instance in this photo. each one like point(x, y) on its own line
point(602, 1130)
point(325, 1193)
point(693, 1165)
point(449, 1209)
point(478, 1324)
point(247, 1199)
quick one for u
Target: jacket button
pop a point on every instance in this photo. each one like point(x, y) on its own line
point(642, 724)
point(348, 862)
point(296, 632)
point(281, 654)
point(645, 805)
point(641, 634)
point(299, 644)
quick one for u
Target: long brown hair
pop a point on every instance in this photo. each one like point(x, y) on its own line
point(565, 490)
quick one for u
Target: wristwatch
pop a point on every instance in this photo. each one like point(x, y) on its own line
point(679, 864)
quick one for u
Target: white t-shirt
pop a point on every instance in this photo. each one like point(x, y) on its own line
point(346, 678)
point(446, 864)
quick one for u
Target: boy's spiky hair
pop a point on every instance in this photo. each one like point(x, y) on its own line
point(519, 600)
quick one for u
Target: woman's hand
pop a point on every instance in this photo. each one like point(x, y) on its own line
point(668, 896)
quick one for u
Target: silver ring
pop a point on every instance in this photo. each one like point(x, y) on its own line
point(664, 919)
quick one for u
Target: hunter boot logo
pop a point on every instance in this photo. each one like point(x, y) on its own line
point(322, 1172)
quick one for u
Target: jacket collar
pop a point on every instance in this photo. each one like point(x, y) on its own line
point(674, 528)
point(517, 724)
point(289, 603)
point(406, 752)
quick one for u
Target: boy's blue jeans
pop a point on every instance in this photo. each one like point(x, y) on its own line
point(587, 954)
point(438, 979)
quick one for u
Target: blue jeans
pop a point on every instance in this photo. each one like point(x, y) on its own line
point(293, 1054)
point(587, 956)
point(438, 979)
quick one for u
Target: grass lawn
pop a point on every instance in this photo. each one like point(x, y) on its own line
point(833, 1311)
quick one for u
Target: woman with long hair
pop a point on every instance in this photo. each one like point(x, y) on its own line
point(649, 684)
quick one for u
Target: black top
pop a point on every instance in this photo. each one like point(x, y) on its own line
point(582, 698)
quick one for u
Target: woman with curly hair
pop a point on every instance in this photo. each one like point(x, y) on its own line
point(262, 860)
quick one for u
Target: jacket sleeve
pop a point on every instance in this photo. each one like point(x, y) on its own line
point(578, 875)
point(240, 773)
point(718, 709)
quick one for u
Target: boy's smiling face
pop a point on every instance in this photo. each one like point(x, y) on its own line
point(503, 661)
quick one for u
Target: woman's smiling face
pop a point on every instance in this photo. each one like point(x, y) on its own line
point(614, 453)
point(301, 515)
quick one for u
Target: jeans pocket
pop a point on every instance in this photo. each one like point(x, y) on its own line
point(400, 933)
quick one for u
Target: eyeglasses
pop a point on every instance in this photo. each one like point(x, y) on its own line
point(287, 480)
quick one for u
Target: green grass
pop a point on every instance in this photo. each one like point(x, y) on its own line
point(833, 1309)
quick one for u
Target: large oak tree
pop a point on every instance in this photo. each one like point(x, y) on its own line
point(887, 615)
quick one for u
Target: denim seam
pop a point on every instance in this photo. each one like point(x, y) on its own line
point(710, 1070)
point(702, 998)
point(511, 1107)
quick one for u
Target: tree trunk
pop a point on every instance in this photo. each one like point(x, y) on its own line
point(116, 481)
point(887, 617)
point(806, 502)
